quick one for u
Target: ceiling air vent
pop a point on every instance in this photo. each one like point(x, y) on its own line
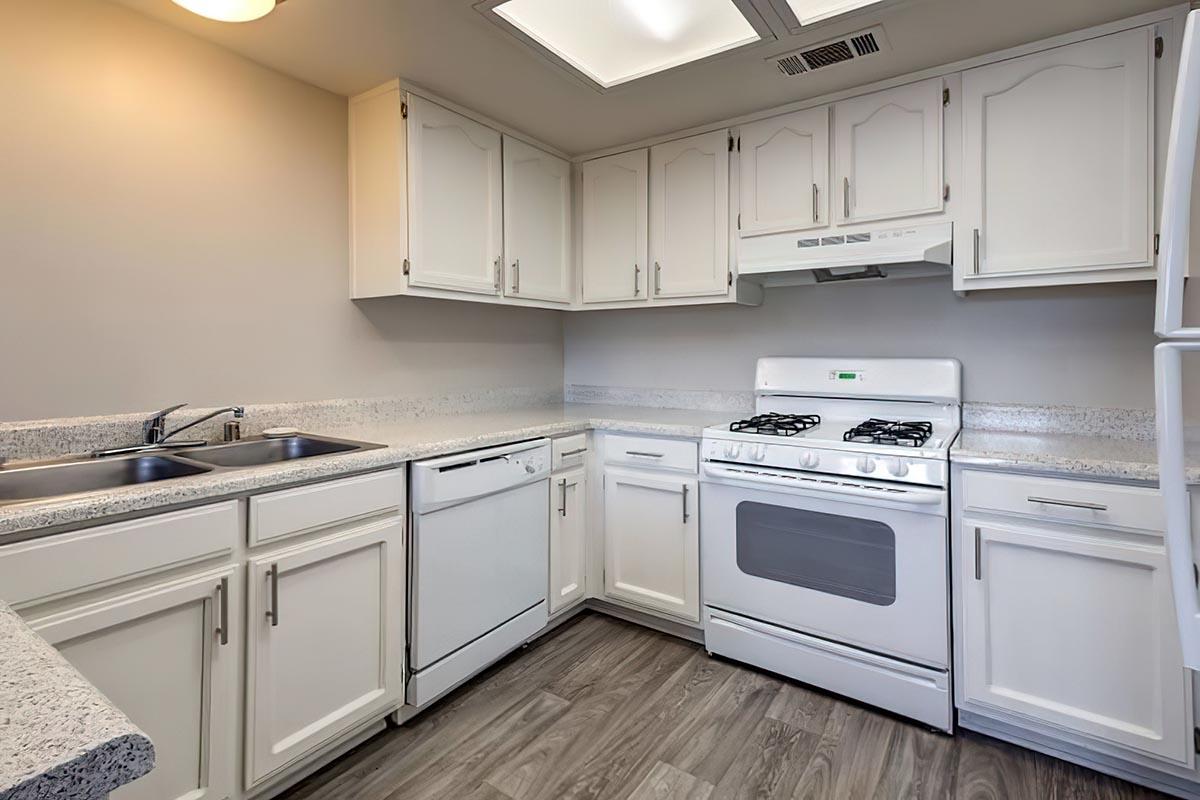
point(825, 54)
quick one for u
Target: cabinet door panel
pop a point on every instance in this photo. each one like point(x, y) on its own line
point(568, 537)
point(651, 541)
point(785, 172)
point(332, 657)
point(157, 655)
point(1075, 630)
point(614, 227)
point(689, 216)
point(454, 200)
point(537, 223)
point(1057, 157)
point(888, 149)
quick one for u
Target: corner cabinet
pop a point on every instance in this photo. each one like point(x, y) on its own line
point(537, 223)
point(1038, 210)
point(615, 221)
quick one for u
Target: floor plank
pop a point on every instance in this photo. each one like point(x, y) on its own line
point(605, 710)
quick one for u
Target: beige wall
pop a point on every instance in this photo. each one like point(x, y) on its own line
point(173, 227)
point(1088, 346)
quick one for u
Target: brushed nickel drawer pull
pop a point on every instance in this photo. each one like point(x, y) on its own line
point(574, 452)
point(273, 577)
point(223, 611)
point(644, 454)
point(1047, 501)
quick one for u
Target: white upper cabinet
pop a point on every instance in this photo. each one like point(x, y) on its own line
point(1058, 164)
point(537, 223)
point(689, 216)
point(614, 215)
point(888, 148)
point(785, 173)
point(454, 192)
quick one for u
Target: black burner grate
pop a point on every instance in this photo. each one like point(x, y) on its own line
point(776, 424)
point(883, 431)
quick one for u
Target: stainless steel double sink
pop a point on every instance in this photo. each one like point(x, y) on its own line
point(62, 478)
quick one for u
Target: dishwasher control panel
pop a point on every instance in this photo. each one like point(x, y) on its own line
point(450, 480)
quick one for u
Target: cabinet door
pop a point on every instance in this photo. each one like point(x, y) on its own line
point(325, 643)
point(1057, 158)
point(614, 227)
point(1075, 630)
point(537, 223)
point(159, 655)
point(888, 148)
point(652, 541)
point(454, 173)
point(785, 173)
point(689, 216)
point(568, 538)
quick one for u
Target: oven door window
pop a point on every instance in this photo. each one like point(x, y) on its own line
point(843, 556)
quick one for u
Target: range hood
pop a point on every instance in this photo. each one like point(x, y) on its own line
point(790, 259)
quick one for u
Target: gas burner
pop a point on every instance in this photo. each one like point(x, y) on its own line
point(883, 431)
point(776, 424)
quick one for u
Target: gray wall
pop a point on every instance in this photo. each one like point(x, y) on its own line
point(173, 227)
point(1088, 346)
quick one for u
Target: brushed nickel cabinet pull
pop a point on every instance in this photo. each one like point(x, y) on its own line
point(816, 216)
point(496, 269)
point(657, 278)
point(978, 554)
point(685, 507)
point(845, 198)
point(1047, 501)
point(223, 611)
point(637, 280)
point(562, 508)
point(273, 577)
point(975, 251)
point(517, 276)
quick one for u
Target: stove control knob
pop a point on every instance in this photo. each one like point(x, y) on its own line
point(866, 464)
point(898, 467)
point(760, 452)
point(733, 450)
point(809, 460)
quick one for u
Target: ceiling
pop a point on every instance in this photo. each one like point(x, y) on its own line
point(447, 46)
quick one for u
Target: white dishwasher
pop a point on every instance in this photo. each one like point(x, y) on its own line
point(479, 562)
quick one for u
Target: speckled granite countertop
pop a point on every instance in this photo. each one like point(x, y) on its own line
point(59, 737)
point(405, 440)
point(1075, 455)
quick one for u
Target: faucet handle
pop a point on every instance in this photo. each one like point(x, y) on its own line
point(154, 427)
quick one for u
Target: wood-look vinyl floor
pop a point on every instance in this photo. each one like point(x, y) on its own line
point(605, 709)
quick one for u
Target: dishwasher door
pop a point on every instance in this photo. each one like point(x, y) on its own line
point(480, 558)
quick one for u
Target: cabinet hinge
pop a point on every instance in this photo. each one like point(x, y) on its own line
point(730, 281)
point(406, 266)
point(1156, 244)
point(739, 222)
point(739, 145)
point(945, 97)
point(404, 110)
point(731, 143)
point(946, 193)
point(1158, 47)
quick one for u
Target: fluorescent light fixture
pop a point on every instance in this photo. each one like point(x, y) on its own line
point(810, 11)
point(615, 41)
point(229, 10)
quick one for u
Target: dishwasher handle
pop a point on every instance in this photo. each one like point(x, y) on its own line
point(453, 480)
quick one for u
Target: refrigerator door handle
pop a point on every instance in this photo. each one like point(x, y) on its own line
point(1172, 480)
point(1177, 189)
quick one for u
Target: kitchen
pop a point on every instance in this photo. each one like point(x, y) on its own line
point(490, 332)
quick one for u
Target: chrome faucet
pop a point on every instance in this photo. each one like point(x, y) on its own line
point(156, 436)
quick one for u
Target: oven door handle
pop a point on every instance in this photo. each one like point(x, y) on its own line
point(909, 495)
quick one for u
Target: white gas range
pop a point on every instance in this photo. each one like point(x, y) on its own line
point(824, 529)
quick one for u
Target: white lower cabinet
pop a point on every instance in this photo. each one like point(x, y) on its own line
point(652, 540)
point(568, 538)
point(1069, 627)
point(325, 641)
point(166, 655)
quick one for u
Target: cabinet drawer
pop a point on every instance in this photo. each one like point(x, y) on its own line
point(568, 452)
point(642, 451)
point(68, 563)
point(1063, 500)
point(293, 511)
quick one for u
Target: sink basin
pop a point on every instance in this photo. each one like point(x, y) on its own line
point(53, 480)
point(253, 452)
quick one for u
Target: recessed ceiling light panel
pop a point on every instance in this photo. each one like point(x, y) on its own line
point(229, 10)
point(615, 41)
point(810, 11)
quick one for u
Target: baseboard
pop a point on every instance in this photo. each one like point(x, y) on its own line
point(677, 629)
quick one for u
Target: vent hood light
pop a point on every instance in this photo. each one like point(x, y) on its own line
point(614, 41)
point(810, 11)
point(229, 10)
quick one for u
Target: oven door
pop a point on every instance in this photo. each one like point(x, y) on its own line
point(859, 562)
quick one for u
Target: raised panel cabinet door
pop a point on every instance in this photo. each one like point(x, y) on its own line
point(1057, 161)
point(614, 197)
point(568, 538)
point(689, 216)
point(652, 541)
point(325, 624)
point(537, 223)
point(888, 153)
point(161, 656)
point(454, 186)
point(785, 173)
point(1075, 630)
